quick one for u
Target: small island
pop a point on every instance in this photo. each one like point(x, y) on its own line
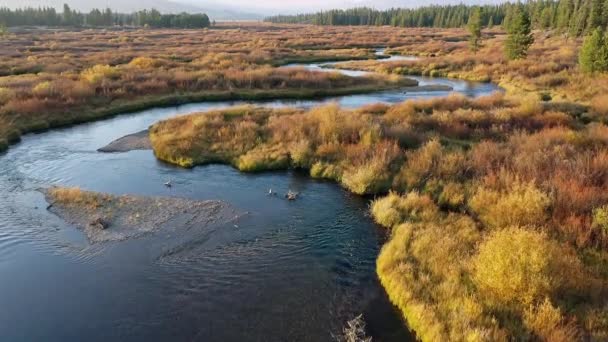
point(104, 217)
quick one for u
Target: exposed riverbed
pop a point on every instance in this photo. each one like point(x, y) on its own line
point(292, 271)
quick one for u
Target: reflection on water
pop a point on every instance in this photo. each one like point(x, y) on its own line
point(289, 271)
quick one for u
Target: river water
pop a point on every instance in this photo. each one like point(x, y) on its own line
point(288, 271)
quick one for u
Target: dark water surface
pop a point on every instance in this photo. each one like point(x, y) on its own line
point(288, 271)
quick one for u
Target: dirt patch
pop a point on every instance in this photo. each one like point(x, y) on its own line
point(105, 217)
point(131, 142)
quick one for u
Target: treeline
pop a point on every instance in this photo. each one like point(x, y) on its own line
point(48, 16)
point(575, 17)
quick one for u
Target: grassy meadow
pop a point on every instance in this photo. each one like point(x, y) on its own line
point(496, 205)
point(550, 71)
point(57, 77)
point(496, 208)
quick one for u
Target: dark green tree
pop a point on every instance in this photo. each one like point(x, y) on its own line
point(564, 12)
point(474, 27)
point(596, 15)
point(520, 35)
point(3, 30)
point(578, 21)
point(593, 56)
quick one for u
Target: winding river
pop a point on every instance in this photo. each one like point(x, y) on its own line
point(289, 271)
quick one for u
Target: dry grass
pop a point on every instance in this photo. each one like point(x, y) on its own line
point(484, 193)
point(497, 206)
point(77, 197)
point(447, 54)
point(50, 78)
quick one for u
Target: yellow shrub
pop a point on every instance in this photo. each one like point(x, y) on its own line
point(326, 171)
point(420, 164)
point(373, 176)
point(547, 322)
point(6, 95)
point(99, 72)
point(76, 196)
point(44, 89)
point(394, 209)
point(301, 153)
point(452, 195)
point(263, 158)
point(522, 205)
point(144, 63)
point(516, 266)
point(600, 218)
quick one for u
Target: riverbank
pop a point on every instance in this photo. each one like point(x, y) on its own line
point(54, 78)
point(107, 218)
point(9, 135)
point(474, 168)
point(556, 78)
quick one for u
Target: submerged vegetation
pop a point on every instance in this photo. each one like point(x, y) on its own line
point(496, 205)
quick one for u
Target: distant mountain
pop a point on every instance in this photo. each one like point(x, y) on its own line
point(214, 11)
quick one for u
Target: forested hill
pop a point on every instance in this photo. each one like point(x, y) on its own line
point(48, 16)
point(573, 16)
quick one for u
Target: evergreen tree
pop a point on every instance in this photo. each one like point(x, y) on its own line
point(3, 30)
point(474, 26)
point(593, 56)
point(605, 14)
point(546, 18)
point(564, 12)
point(573, 16)
point(47, 16)
point(520, 35)
point(508, 18)
point(596, 15)
point(578, 22)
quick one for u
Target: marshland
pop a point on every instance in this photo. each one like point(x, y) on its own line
point(450, 165)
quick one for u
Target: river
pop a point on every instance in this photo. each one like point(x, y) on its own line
point(290, 271)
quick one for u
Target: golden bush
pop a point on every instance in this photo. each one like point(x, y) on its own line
point(6, 95)
point(144, 63)
point(395, 209)
point(548, 323)
point(521, 205)
point(99, 72)
point(516, 266)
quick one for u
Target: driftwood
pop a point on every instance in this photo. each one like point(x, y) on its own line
point(355, 331)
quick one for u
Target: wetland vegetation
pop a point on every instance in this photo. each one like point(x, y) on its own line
point(54, 78)
point(495, 205)
point(495, 208)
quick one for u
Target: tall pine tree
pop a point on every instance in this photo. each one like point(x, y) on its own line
point(474, 26)
point(520, 35)
point(564, 12)
point(596, 15)
point(593, 56)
